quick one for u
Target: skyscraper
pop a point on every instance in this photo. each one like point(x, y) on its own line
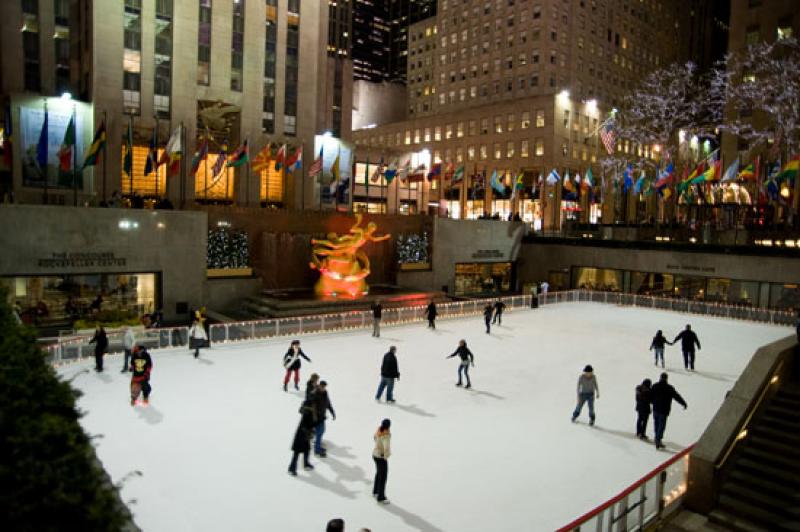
point(402, 14)
point(371, 40)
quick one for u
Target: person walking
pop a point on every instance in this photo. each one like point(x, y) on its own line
point(430, 312)
point(377, 310)
point(380, 454)
point(643, 400)
point(141, 367)
point(197, 337)
point(291, 361)
point(657, 345)
point(499, 307)
point(662, 395)
point(545, 286)
point(389, 372)
point(301, 444)
point(688, 340)
point(100, 341)
point(311, 387)
point(322, 405)
point(588, 390)
point(128, 341)
point(467, 360)
point(487, 317)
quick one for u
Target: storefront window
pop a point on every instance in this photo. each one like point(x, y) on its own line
point(652, 284)
point(690, 287)
point(784, 296)
point(483, 278)
point(597, 279)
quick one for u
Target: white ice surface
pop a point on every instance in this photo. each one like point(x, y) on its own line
point(213, 446)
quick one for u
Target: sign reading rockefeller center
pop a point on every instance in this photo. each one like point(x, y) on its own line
point(82, 260)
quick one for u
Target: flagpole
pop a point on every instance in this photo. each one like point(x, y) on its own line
point(105, 155)
point(75, 158)
point(45, 163)
point(130, 176)
point(302, 177)
point(182, 168)
point(155, 134)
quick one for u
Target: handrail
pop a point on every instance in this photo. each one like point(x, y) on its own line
point(624, 493)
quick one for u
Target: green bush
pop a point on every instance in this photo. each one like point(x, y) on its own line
point(49, 477)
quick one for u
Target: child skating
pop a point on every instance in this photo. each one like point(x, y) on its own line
point(467, 360)
point(291, 361)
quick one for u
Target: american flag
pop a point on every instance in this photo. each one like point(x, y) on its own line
point(316, 166)
point(608, 136)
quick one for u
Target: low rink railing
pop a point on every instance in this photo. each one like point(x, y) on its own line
point(643, 502)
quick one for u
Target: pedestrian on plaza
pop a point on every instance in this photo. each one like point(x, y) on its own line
point(588, 390)
point(467, 360)
point(662, 395)
point(322, 405)
point(499, 307)
point(335, 525)
point(657, 345)
point(128, 341)
point(100, 341)
point(311, 387)
point(376, 318)
point(688, 340)
point(380, 454)
point(545, 287)
point(197, 337)
point(487, 317)
point(430, 312)
point(389, 372)
point(302, 439)
point(141, 367)
point(643, 400)
point(291, 361)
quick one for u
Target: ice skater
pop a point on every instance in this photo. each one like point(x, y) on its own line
point(657, 345)
point(588, 390)
point(688, 340)
point(291, 361)
point(100, 341)
point(499, 307)
point(643, 400)
point(302, 440)
point(389, 372)
point(377, 310)
point(322, 405)
point(662, 395)
point(311, 387)
point(487, 317)
point(467, 360)
point(141, 367)
point(380, 454)
point(128, 341)
point(197, 337)
point(430, 312)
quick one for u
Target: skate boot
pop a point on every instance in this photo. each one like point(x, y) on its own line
point(458, 383)
point(468, 385)
point(284, 388)
point(296, 387)
point(308, 467)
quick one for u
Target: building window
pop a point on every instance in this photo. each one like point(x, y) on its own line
point(483, 152)
point(525, 122)
point(270, 65)
point(510, 122)
point(132, 57)
point(460, 130)
point(437, 133)
point(30, 45)
point(540, 118)
point(510, 149)
point(470, 153)
point(523, 148)
point(484, 126)
point(204, 43)
point(784, 30)
point(539, 149)
point(752, 35)
point(292, 75)
point(448, 131)
point(498, 151)
point(163, 58)
point(473, 128)
point(237, 46)
point(498, 124)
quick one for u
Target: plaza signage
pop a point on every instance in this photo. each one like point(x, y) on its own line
point(694, 269)
point(484, 254)
point(82, 260)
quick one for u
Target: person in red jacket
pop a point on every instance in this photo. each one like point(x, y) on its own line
point(141, 366)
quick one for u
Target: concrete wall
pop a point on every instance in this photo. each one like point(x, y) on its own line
point(377, 103)
point(166, 242)
point(224, 294)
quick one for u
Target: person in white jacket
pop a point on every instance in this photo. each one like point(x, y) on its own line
point(197, 337)
point(381, 455)
point(128, 342)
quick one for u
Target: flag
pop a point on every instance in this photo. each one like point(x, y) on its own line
point(316, 167)
point(98, 145)
point(497, 183)
point(697, 174)
point(639, 185)
point(67, 147)
point(173, 152)
point(664, 177)
point(127, 162)
point(240, 156)
point(262, 158)
point(608, 136)
point(376, 175)
point(199, 156)
point(222, 158)
point(732, 171)
point(152, 154)
point(295, 161)
point(335, 167)
point(418, 174)
point(569, 186)
point(458, 176)
point(436, 171)
point(789, 170)
point(712, 173)
point(404, 171)
point(519, 184)
point(627, 178)
point(553, 177)
point(391, 172)
point(41, 146)
point(748, 173)
point(280, 158)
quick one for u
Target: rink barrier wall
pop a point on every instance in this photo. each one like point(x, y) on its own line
point(73, 348)
point(650, 498)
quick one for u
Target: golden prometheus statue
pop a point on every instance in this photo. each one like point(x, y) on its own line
point(342, 264)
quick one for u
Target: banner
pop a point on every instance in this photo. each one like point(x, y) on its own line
point(31, 120)
point(329, 191)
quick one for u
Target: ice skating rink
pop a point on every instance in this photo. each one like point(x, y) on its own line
point(212, 449)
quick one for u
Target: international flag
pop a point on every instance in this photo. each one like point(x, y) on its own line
point(608, 136)
point(732, 171)
point(789, 170)
point(496, 183)
point(712, 173)
point(405, 170)
point(697, 174)
point(67, 147)
point(418, 174)
point(240, 156)
point(41, 146)
point(280, 158)
point(749, 172)
point(436, 171)
point(173, 152)
point(295, 161)
point(222, 158)
point(376, 175)
point(98, 145)
point(569, 186)
point(458, 176)
point(127, 160)
point(665, 177)
point(262, 159)
point(335, 168)
point(588, 180)
point(316, 167)
point(152, 154)
point(448, 171)
point(627, 178)
point(199, 156)
point(553, 177)
point(391, 172)
point(639, 185)
point(519, 184)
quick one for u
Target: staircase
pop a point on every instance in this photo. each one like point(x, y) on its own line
point(761, 487)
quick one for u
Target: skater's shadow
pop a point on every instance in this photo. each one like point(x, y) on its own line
point(499, 336)
point(105, 377)
point(341, 452)
point(414, 409)
point(205, 361)
point(412, 520)
point(152, 416)
point(619, 433)
point(321, 482)
point(722, 377)
point(487, 394)
point(390, 339)
point(344, 472)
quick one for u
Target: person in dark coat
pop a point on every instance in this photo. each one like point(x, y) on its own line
point(487, 317)
point(377, 310)
point(662, 395)
point(643, 400)
point(100, 341)
point(141, 367)
point(291, 361)
point(499, 307)
point(688, 340)
point(467, 360)
point(302, 440)
point(311, 387)
point(322, 404)
point(430, 312)
point(389, 372)
point(657, 345)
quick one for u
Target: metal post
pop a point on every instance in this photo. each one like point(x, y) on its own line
point(75, 158)
point(105, 155)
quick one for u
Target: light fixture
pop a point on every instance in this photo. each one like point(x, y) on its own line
point(327, 134)
point(591, 105)
point(66, 96)
point(563, 97)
